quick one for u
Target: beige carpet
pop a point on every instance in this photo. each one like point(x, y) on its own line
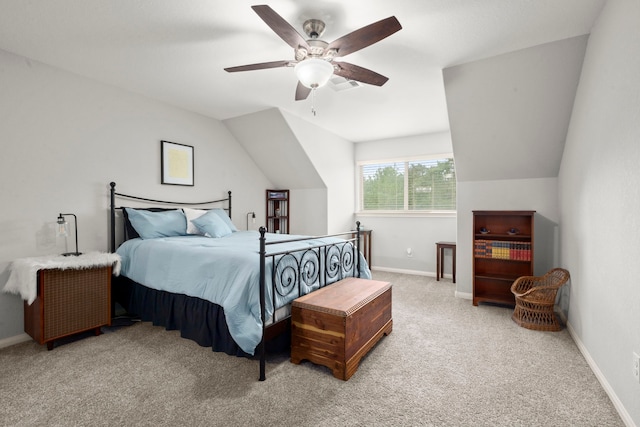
point(446, 363)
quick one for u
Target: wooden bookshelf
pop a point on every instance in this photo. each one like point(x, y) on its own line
point(278, 211)
point(503, 250)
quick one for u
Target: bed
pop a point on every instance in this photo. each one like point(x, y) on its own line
point(185, 266)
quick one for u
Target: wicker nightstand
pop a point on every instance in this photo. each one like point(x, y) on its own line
point(69, 301)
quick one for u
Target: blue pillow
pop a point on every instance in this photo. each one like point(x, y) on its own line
point(225, 217)
point(150, 224)
point(211, 225)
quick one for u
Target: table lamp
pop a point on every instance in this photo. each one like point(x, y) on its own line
point(63, 230)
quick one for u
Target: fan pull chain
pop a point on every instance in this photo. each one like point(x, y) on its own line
point(313, 101)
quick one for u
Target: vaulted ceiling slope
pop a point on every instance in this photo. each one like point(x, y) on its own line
point(510, 114)
point(275, 149)
point(176, 51)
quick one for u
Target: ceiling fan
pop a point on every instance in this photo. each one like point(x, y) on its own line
point(314, 58)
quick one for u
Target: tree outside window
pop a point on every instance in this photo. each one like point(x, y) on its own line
point(415, 185)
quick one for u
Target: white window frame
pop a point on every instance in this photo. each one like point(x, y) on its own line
point(398, 213)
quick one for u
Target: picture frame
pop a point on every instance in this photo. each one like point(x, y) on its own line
point(176, 163)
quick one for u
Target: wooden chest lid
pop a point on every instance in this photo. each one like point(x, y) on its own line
point(343, 298)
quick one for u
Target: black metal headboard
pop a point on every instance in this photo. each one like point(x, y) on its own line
point(114, 208)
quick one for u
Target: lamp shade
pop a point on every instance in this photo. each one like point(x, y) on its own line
point(63, 226)
point(313, 72)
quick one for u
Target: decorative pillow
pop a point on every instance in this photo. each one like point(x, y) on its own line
point(211, 225)
point(225, 217)
point(192, 214)
point(150, 224)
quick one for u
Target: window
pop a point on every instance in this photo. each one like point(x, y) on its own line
point(407, 186)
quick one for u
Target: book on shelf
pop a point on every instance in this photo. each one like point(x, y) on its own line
point(510, 250)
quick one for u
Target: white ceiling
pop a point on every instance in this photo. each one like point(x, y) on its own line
point(175, 51)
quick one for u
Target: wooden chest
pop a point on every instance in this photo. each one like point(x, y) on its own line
point(337, 325)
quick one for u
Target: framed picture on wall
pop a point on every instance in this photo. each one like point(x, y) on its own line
point(177, 163)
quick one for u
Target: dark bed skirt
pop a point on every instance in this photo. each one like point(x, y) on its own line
point(196, 319)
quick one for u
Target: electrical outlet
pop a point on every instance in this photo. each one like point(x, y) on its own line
point(636, 366)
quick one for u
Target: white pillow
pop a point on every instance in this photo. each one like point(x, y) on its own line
point(192, 214)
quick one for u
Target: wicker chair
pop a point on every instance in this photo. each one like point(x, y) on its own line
point(535, 298)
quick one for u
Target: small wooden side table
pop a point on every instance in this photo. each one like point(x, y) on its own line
point(366, 244)
point(69, 301)
point(63, 295)
point(440, 247)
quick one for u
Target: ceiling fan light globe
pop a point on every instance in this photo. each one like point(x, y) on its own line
point(313, 72)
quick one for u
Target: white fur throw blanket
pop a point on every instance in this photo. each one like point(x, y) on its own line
point(23, 279)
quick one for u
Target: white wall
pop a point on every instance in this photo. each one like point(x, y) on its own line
point(599, 188)
point(333, 160)
point(509, 114)
point(64, 138)
point(538, 195)
point(308, 213)
point(277, 150)
point(392, 236)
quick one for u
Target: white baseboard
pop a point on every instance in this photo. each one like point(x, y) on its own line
point(464, 295)
point(6, 342)
point(412, 272)
point(626, 418)
point(402, 271)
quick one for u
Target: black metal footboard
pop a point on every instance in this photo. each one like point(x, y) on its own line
point(295, 273)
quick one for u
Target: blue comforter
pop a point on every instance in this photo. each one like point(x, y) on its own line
point(224, 271)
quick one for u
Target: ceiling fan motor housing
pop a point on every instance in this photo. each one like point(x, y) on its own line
point(317, 49)
point(313, 28)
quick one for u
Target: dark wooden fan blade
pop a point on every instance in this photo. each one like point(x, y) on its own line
point(302, 92)
point(365, 36)
point(280, 27)
point(260, 66)
point(354, 72)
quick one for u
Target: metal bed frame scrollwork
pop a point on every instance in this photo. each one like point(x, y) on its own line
point(294, 273)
